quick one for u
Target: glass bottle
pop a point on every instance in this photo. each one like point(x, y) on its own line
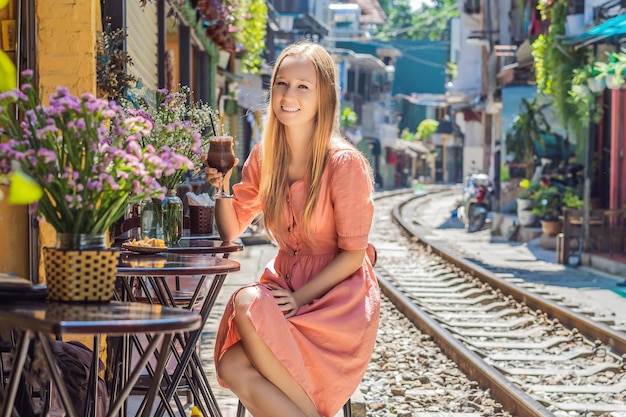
point(172, 208)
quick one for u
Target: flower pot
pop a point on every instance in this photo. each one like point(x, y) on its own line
point(524, 204)
point(526, 218)
point(80, 268)
point(596, 85)
point(551, 227)
point(614, 82)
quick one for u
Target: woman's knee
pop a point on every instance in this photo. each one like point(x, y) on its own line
point(244, 298)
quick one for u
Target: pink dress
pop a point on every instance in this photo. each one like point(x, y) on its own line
point(327, 346)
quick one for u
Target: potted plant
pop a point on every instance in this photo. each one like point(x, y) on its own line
point(571, 200)
point(84, 153)
point(524, 201)
point(547, 206)
point(178, 123)
point(612, 71)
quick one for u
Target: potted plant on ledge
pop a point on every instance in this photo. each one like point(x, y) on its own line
point(547, 206)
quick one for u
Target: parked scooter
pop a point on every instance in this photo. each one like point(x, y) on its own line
point(476, 202)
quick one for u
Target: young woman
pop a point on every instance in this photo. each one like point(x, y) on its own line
point(298, 342)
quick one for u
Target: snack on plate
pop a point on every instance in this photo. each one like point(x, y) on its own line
point(147, 242)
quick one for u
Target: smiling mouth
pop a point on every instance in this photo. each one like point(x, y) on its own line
point(289, 109)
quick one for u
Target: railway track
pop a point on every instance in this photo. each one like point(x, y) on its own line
point(529, 353)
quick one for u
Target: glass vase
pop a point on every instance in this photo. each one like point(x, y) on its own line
point(151, 219)
point(81, 241)
point(172, 208)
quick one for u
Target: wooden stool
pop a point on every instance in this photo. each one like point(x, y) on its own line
point(347, 409)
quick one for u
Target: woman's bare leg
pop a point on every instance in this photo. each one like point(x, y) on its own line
point(263, 360)
point(260, 397)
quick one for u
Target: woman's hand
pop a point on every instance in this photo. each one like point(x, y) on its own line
point(214, 177)
point(285, 300)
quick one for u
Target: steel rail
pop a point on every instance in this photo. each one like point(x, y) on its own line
point(512, 398)
point(588, 327)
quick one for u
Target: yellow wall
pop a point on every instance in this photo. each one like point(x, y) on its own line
point(13, 219)
point(66, 45)
point(66, 56)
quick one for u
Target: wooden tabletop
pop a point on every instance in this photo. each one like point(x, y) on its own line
point(112, 318)
point(132, 264)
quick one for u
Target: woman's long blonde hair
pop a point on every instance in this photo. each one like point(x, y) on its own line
point(274, 179)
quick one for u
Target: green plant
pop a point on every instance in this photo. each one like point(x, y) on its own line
point(427, 128)
point(528, 189)
point(554, 64)
point(525, 131)
point(84, 153)
point(251, 22)
point(112, 62)
point(348, 118)
point(547, 203)
point(571, 200)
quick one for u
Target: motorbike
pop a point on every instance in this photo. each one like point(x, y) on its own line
point(476, 202)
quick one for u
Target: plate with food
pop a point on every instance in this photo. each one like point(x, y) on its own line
point(146, 245)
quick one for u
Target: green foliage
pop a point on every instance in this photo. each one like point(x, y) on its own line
point(529, 188)
point(427, 128)
point(571, 200)
point(554, 65)
point(451, 69)
point(430, 22)
point(112, 63)
point(251, 20)
point(348, 118)
point(525, 131)
point(547, 203)
point(407, 135)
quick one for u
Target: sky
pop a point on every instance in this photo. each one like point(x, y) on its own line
point(416, 4)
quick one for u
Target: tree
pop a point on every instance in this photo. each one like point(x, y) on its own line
point(526, 130)
point(427, 128)
point(430, 22)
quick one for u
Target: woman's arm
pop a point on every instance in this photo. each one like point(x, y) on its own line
point(228, 225)
point(344, 265)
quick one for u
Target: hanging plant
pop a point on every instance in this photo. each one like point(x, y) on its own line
point(554, 65)
point(112, 62)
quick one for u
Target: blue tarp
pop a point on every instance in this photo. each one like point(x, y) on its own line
point(614, 27)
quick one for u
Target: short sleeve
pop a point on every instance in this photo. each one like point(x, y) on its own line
point(351, 195)
point(245, 193)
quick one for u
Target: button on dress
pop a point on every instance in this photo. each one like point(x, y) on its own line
point(327, 345)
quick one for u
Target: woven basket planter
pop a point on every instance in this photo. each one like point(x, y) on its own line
point(80, 275)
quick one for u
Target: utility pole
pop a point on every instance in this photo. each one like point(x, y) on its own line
point(486, 89)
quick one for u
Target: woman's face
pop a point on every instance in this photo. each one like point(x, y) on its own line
point(294, 93)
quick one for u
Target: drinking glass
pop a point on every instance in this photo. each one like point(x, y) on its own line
point(221, 157)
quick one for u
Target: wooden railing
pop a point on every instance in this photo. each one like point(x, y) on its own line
point(607, 233)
